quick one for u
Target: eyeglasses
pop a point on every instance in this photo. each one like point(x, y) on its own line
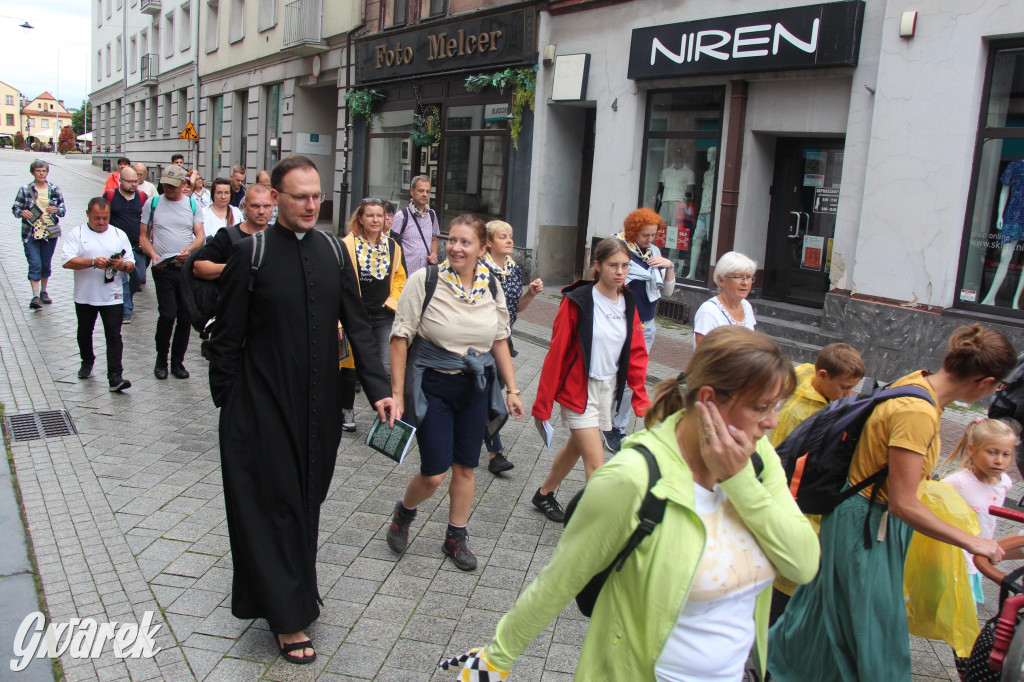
point(306, 198)
point(741, 278)
point(370, 201)
point(1000, 385)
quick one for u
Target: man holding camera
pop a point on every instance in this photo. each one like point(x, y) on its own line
point(99, 253)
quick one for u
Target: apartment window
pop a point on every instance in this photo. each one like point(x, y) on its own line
point(117, 57)
point(274, 122)
point(10, 118)
point(216, 130)
point(9, 99)
point(143, 43)
point(169, 35)
point(119, 4)
point(236, 27)
point(154, 119)
point(400, 12)
point(99, 64)
point(242, 111)
point(438, 7)
point(99, 13)
point(212, 28)
point(46, 123)
point(133, 54)
point(110, 9)
point(182, 108)
point(108, 60)
point(268, 14)
point(185, 27)
point(167, 113)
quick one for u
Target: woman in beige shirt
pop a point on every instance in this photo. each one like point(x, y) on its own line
point(448, 345)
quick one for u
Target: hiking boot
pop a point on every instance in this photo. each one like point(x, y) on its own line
point(612, 439)
point(499, 464)
point(348, 420)
point(398, 533)
point(118, 384)
point(35, 303)
point(45, 298)
point(549, 505)
point(178, 370)
point(85, 371)
point(455, 545)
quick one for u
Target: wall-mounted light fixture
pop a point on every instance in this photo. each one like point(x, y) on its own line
point(908, 24)
point(549, 55)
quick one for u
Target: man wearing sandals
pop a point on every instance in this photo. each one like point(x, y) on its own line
point(274, 374)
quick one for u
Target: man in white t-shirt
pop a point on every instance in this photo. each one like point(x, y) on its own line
point(145, 186)
point(98, 252)
point(168, 234)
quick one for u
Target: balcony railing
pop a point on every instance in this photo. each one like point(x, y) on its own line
point(149, 68)
point(303, 27)
point(150, 6)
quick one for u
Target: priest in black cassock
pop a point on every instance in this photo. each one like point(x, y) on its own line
point(273, 369)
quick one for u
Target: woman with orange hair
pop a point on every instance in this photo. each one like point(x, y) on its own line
point(651, 276)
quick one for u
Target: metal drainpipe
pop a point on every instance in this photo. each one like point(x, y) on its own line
point(346, 189)
point(195, 81)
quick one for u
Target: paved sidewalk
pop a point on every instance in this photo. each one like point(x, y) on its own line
point(127, 516)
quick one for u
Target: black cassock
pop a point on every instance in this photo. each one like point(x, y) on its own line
point(273, 372)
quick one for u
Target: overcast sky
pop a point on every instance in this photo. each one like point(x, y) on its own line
point(28, 58)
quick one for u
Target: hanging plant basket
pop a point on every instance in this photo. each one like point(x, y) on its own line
point(523, 83)
point(364, 104)
point(426, 128)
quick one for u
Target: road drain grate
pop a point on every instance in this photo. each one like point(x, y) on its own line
point(35, 425)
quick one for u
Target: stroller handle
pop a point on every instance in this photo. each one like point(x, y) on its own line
point(1008, 543)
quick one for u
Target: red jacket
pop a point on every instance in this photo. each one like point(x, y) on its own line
point(567, 364)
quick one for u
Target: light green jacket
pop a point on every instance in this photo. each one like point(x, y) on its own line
point(640, 605)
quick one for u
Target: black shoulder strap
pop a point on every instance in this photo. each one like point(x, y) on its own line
point(259, 249)
point(652, 509)
point(335, 247)
point(429, 285)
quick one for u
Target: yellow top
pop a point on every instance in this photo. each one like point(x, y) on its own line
point(43, 202)
point(908, 423)
point(804, 402)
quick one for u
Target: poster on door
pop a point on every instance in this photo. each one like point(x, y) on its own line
point(813, 253)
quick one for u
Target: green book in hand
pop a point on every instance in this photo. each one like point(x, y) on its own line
point(392, 443)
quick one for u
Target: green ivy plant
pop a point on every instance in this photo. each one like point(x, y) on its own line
point(523, 83)
point(364, 103)
point(426, 128)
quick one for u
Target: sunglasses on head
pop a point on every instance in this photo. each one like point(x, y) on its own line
point(371, 201)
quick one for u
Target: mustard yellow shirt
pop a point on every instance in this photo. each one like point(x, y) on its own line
point(804, 402)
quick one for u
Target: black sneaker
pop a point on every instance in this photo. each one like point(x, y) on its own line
point(612, 439)
point(35, 303)
point(45, 298)
point(455, 545)
point(549, 505)
point(398, 533)
point(85, 371)
point(499, 464)
point(178, 370)
point(118, 384)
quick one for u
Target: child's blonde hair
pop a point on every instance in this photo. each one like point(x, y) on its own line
point(976, 433)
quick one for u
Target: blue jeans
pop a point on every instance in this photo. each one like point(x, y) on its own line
point(39, 253)
point(131, 281)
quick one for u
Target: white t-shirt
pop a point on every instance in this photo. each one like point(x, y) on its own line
point(609, 335)
point(82, 242)
point(148, 188)
point(212, 223)
point(719, 613)
point(979, 497)
point(675, 180)
point(173, 223)
point(712, 314)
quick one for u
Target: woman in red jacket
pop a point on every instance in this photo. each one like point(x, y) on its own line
point(597, 348)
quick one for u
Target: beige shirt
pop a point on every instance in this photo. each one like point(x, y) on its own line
point(450, 322)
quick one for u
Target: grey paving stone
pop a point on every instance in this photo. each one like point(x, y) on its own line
point(233, 669)
point(357, 661)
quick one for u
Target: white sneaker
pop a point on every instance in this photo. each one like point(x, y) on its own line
point(348, 420)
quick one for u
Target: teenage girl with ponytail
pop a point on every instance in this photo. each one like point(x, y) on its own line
point(597, 349)
point(850, 623)
point(691, 602)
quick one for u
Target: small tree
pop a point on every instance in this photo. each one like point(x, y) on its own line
point(66, 143)
point(19, 140)
point(81, 119)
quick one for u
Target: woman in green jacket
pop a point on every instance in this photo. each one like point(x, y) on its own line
point(691, 602)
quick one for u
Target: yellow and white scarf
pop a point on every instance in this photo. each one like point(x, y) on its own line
point(634, 249)
point(480, 281)
point(373, 260)
point(502, 272)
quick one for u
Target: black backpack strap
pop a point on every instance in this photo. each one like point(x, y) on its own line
point(259, 249)
point(335, 247)
point(651, 511)
point(429, 285)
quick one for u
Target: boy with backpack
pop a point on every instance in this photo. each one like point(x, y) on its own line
point(836, 370)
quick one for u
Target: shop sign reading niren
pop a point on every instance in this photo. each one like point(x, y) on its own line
point(813, 36)
point(505, 38)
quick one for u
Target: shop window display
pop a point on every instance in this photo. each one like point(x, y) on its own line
point(993, 253)
point(390, 157)
point(679, 176)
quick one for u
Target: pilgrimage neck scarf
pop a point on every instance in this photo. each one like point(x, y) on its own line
point(374, 260)
point(480, 280)
point(502, 271)
point(634, 249)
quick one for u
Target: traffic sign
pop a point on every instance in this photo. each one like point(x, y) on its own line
point(189, 133)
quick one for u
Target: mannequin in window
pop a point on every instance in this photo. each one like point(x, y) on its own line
point(672, 184)
point(1010, 225)
point(700, 234)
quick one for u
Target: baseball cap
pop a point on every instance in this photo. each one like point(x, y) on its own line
point(173, 175)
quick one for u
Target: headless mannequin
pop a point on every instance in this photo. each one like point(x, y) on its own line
point(1005, 256)
point(704, 216)
point(674, 180)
